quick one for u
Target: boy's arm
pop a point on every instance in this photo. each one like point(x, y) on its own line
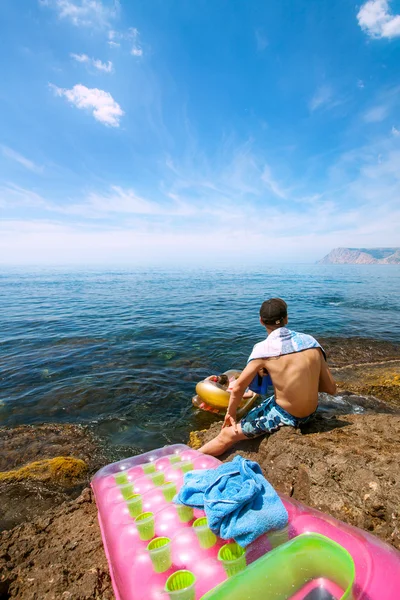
point(239, 388)
point(326, 382)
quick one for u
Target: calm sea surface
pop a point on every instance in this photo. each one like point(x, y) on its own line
point(122, 350)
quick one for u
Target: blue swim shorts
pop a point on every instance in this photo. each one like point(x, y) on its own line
point(269, 417)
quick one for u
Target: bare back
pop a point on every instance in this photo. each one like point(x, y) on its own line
point(296, 379)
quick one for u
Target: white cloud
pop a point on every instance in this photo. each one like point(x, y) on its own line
point(284, 235)
point(12, 195)
point(136, 51)
point(22, 160)
point(83, 13)
point(105, 108)
point(123, 201)
point(96, 63)
point(395, 131)
point(375, 18)
point(82, 58)
point(204, 208)
point(322, 97)
point(101, 205)
point(272, 184)
point(131, 37)
point(360, 84)
point(376, 114)
point(106, 67)
point(261, 40)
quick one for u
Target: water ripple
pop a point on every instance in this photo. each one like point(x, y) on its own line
point(122, 350)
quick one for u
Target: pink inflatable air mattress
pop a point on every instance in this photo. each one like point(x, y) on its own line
point(157, 550)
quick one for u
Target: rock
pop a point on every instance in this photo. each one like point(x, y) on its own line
point(28, 489)
point(196, 438)
point(365, 367)
point(62, 469)
point(361, 256)
point(380, 380)
point(347, 466)
point(27, 443)
point(363, 352)
point(57, 557)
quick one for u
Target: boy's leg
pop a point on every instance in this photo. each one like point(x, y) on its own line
point(224, 440)
point(255, 423)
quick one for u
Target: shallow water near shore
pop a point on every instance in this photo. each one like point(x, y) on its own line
point(122, 350)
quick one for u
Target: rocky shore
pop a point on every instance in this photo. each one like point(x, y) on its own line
point(344, 464)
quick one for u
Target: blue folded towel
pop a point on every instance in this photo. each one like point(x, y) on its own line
point(238, 501)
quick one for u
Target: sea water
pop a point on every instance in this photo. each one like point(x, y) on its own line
point(122, 350)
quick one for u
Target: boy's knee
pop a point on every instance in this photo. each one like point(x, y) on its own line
point(224, 435)
point(228, 434)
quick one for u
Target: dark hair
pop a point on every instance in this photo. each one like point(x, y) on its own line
point(223, 379)
point(273, 311)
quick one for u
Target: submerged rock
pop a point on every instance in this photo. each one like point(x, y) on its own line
point(41, 467)
point(359, 351)
point(27, 443)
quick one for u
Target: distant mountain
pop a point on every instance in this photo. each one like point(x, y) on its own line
point(362, 256)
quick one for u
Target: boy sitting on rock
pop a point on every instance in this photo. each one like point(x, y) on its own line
point(297, 366)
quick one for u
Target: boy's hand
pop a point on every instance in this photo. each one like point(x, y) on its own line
point(230, 421)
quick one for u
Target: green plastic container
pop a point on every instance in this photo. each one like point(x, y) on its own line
point(169, 490)
point(148, 468)
point(174, 458)
point(121, 478)
point(160, 553)
point(281, 573)
point(184, 466)
point(181, 586)
point(135, 505)
point(145, 525)
point(233, 558)
point(207, 539)
point(158, 478)
point(185, 513)
point(127, 490)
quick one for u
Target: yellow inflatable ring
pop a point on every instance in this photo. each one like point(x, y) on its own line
point(214, 395)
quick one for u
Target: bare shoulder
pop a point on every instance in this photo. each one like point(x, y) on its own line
point(311, 354)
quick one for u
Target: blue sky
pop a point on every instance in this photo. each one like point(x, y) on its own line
point(197, 132)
